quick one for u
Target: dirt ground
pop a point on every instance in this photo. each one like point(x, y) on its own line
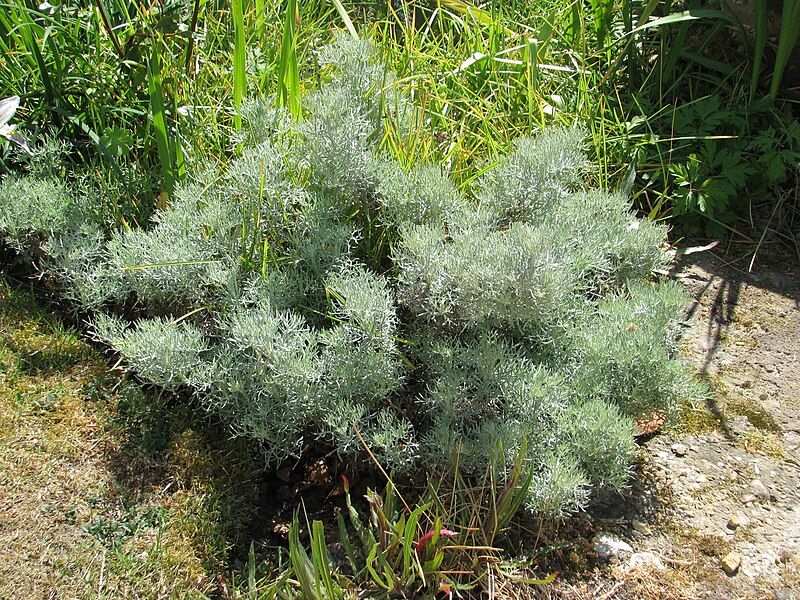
point(715, 509)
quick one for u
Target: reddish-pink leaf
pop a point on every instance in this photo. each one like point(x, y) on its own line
point(424, 539)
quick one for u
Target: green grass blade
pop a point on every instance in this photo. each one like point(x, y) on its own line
point(260, 16)
point(681, 17)
point(790, 33)
point(346, 18)
point(178, 144)
point(459, 6)
point(288, 77)
point(760, 44)
point(251, 569)
point(409, 533)
point(160, 130)
point(112, 34)
point(647, 11)
point(239, 59)
point(302, 566)
point(26, 31)
point(344, 538)
point(92, 135)
point(319, 556)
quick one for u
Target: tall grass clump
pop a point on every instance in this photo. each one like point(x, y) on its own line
point(318, 296)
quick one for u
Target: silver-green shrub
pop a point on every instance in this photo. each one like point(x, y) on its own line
point(535, 178)
point(163, 352)
point(316, 294)
point(34, 208)
point(78, 256)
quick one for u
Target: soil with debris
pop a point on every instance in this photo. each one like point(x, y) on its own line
point(715, 508)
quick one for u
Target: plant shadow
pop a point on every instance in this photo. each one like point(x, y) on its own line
point(717, 283)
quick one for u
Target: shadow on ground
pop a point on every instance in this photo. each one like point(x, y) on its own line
point(716, 282)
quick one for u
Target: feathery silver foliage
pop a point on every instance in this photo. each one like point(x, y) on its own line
point(315, 292)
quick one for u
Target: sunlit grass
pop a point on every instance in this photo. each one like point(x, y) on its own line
point(106, 491)
point(480, 77)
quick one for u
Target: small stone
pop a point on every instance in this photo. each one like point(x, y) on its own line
point(738, 520)
point(679, 449)
point(733, 476)
point(607, 545)
point(759, 489)
point(641, 527)
point(731, 563)
point(649, 560)
point(769, 559)
point(748, 499)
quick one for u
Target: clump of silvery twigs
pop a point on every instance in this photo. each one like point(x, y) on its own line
point(318, 294)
